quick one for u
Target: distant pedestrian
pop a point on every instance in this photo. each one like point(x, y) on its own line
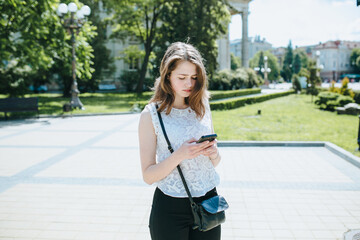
point(183, 102)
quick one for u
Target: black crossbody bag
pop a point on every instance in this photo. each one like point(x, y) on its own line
point(209, 213)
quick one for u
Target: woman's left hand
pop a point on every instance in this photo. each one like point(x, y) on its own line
point(212, 150)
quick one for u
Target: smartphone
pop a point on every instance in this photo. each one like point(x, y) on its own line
point(209, 138)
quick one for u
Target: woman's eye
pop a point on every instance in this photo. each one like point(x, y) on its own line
point(194, 78)
point(181, 78)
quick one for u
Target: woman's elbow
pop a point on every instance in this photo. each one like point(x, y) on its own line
point(147, 179)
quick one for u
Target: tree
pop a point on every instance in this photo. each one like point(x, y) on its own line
point(297, 64)
point(272, 64)
point(303, 57)
point(235, 62)
point(287, 71)
point(199, 22)
point(103, 62)
point(261, 63)
point(32, 41)
point(355, 59)
point(313, 80)
point(137, 20)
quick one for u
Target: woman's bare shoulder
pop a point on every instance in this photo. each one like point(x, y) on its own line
point(145, 117)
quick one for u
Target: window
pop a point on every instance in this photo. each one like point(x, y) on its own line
point(134, 64)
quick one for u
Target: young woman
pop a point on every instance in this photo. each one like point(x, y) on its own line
point(182, 99)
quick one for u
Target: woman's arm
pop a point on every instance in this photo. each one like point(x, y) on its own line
point(152, 171)
point(214, 156)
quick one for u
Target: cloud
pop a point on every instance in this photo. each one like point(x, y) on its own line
point(339, 3)
point(354, 27)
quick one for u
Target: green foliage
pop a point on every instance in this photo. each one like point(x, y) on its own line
point(199, 22)
point(297, 64)
point(221, 80)
point(129, 80)
point(355, 59)
point(13, 80)
point(139, 22)
point(227, 79)
point(330, 100)
point(254, 79)
point(232, 103)
point(272, 64)
point(261, 64)
point(304, 59)
point(31, 35)
point(103, 63)
point(344, 90)
point(235, 103)
point(287, 71)
point(357, 97)
point(304, 73)
point(313, 80)
point(233, 93)
point(235, 62)
point(296, 83)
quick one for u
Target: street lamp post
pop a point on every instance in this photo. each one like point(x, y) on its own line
point(319, 66)
point(264, 70)
point(73, 25)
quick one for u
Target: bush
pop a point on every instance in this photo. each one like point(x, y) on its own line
point(357, 97)
point(221, 80)
point(230, 80)
point(296, 83)
point(330, 100)
point(235, 103)
point(240, 79)
point(234, 93)
point(254, 79)
point(343, 100)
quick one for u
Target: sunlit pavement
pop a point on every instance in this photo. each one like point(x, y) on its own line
point(80, 178)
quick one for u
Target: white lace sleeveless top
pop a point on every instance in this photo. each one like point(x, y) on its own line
point(182, 125)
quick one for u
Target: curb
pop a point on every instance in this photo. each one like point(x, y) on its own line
point(84, 115)
point(354, 160)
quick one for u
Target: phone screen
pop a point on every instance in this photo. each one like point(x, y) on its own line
point(209, 138)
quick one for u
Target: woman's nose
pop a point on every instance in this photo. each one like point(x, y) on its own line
point(188, 82)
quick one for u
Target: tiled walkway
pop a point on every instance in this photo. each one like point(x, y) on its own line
point(80, 178)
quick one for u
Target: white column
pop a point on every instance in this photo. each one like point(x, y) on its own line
point(245, 44)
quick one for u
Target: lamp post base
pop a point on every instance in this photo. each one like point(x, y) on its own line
point(75, 101)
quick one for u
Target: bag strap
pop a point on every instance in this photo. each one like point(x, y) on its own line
point(172, 150)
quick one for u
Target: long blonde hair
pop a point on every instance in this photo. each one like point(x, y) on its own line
point(164, 93)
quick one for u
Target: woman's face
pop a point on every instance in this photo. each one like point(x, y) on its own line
point(183, 79)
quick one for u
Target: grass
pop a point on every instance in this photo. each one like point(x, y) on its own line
point(51, 104)
point(290, 118)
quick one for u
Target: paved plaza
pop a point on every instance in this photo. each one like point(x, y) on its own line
point(80, 178)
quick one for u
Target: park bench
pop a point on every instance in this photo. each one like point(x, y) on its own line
point(19, 105)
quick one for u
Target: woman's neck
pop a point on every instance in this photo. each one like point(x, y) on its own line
point(179, 103)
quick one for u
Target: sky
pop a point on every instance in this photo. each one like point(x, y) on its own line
point(304, 22)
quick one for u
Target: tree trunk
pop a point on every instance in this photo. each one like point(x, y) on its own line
point(139, 88)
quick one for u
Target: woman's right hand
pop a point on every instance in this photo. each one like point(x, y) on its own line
point(190, 149)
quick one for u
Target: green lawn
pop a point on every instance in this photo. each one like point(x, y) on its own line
point(290, 118)
point(51, 104)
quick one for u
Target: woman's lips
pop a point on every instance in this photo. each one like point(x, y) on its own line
point(188, 90)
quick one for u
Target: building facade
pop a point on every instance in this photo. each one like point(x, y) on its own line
point(255, 45)
point(334, 58)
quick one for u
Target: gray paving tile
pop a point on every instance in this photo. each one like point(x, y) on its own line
point(80, 178)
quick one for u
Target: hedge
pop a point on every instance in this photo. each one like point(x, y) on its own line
point(235, 103)
point(234, 93)
point(231, 103)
